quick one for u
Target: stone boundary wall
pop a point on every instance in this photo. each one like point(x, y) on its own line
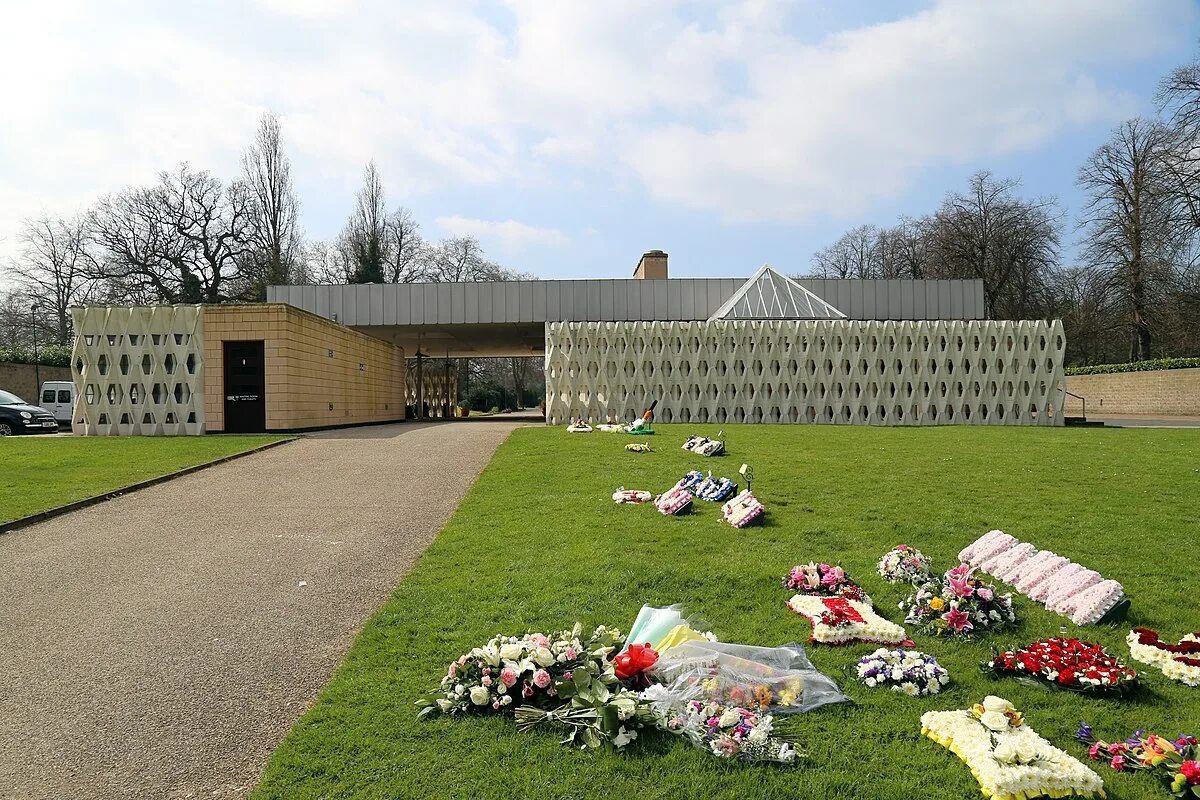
point(21, 379)
point(837, 372)
point(1165, 392)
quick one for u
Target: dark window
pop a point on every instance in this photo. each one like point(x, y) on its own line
point(48, 396)
point(64, 395)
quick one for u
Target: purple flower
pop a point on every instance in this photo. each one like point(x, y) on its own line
point(1084, 733)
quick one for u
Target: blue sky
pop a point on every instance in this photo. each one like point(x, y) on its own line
point(572, 136)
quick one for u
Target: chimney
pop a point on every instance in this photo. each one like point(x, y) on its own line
point(652, 266)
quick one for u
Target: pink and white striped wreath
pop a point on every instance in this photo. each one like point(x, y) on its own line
point(1064, 587)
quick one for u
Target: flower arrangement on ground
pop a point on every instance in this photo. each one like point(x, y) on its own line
point(1008, 758)
point(743, 510)
point(1066, 663)
point(958, 604)
point(623, 496)
point(1179, 662)
point(836, 620)
point(904, 564)
point(1066, 588)
point(674, 501)
point(908, 671)
point(729, 732)
point(823, 580)
point(1176, 762)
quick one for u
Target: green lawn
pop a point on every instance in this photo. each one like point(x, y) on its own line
point(537, 544)
point(44, 472)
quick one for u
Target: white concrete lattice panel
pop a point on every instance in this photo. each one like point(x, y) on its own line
point(138, 370)
point(818, 371)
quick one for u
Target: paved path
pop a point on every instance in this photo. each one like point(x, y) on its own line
point(1146, 421)
point(161, 644)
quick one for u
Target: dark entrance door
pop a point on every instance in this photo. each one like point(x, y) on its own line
point(245, 385)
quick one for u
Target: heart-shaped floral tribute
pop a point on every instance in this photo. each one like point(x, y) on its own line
point(1066, 663)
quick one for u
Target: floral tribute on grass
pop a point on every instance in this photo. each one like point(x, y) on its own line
point(1179, 662)
point(623, 496)
point(1010, 760)
point(908, 671)
point(904, 564)
point(958, 604)
point(824, 580)
point(836, 620)
point(1066, 588)
point(743, 510)
point(674, 501)
point(1175, 762)
point(1065, 663)
point(602, 693)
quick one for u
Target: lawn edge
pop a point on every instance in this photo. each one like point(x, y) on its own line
point(58, 511)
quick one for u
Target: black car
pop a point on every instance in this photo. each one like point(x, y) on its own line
point(17, 416)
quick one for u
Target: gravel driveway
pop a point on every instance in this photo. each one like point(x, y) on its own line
point(161, 644)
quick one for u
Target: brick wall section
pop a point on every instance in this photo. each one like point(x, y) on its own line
point(363, 380)
point(21, 379)
point(1166, 392)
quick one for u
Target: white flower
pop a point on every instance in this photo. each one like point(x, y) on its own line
point(1027, 750)
point(1006, 751)
point(480, 696)
point(730, 718)
point(993, 703)
point(543, 657)
point(910, 689)
point(444, 704)
point(510, 652)
point(994, 720)
point(870, 681)
point(624, 736)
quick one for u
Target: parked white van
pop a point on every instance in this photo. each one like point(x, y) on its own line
point(58, 397)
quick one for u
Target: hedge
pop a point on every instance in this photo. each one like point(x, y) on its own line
point(50, 356)
point(1136, 366)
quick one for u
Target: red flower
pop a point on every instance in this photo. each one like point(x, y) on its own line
point(1191, 771)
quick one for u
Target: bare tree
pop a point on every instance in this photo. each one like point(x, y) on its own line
point(56, 268)
point(459, 259)
point(1131, 221)
point(274, 215)
point(854, 255)
point(405, 249)
point(183, 240)
point(365, 236)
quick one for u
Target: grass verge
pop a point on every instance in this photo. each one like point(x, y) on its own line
point(44, 472)
point(538, 544)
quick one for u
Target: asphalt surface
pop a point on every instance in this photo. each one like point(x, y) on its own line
point(161, 644)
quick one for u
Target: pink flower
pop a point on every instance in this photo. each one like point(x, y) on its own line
point(508, 676)
point(958, 621)
point(1118, 763)
point(496, 705)
point(901, 547)
point(527, 691)
point(833, 576)
point(1094, 752)
point(985, 593)
point(540, 640)
point(541, 679)
point(485, 681)
point(462, 661)
point(961, 587)
point(961, 571)
point(571, 654)
point(451, 670)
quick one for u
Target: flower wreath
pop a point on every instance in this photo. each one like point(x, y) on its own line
point(1009, 759)
point(1065, 663)
point(836, 620)
point(1179, 662)
point(824, 580)
point(904, 564)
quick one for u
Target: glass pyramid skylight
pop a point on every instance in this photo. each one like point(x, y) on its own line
point(770, 295)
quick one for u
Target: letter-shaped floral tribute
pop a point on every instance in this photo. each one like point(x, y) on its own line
point(1065, 663)
point(1179, 662)
point(1010, 761)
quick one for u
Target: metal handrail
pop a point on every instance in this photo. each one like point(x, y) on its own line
point(1079, 398)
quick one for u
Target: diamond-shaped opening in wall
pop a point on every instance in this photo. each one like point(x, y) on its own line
point(136, 394)
point(170, 418)
point(191, 363)
point(147, 418)
point(102, 364)
point(114, 393)
point(147, 364)
point(123, 364)
point(79, 366)
point(126, 419)
point(183, 393)
point(159, 394)
point(169, 363)
point(89, 394)
point(102, 419)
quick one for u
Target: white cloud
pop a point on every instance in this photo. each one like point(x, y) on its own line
point(506, 235)
point(723, 108)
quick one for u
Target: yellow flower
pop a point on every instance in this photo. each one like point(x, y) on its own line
point(937, 604)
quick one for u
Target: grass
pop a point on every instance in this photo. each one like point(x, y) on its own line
point(537, 544)
point(41, 473)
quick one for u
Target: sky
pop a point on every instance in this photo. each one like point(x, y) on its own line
point(570, 137)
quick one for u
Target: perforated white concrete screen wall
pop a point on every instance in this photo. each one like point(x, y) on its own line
point(835, 371)
point(138, 370)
